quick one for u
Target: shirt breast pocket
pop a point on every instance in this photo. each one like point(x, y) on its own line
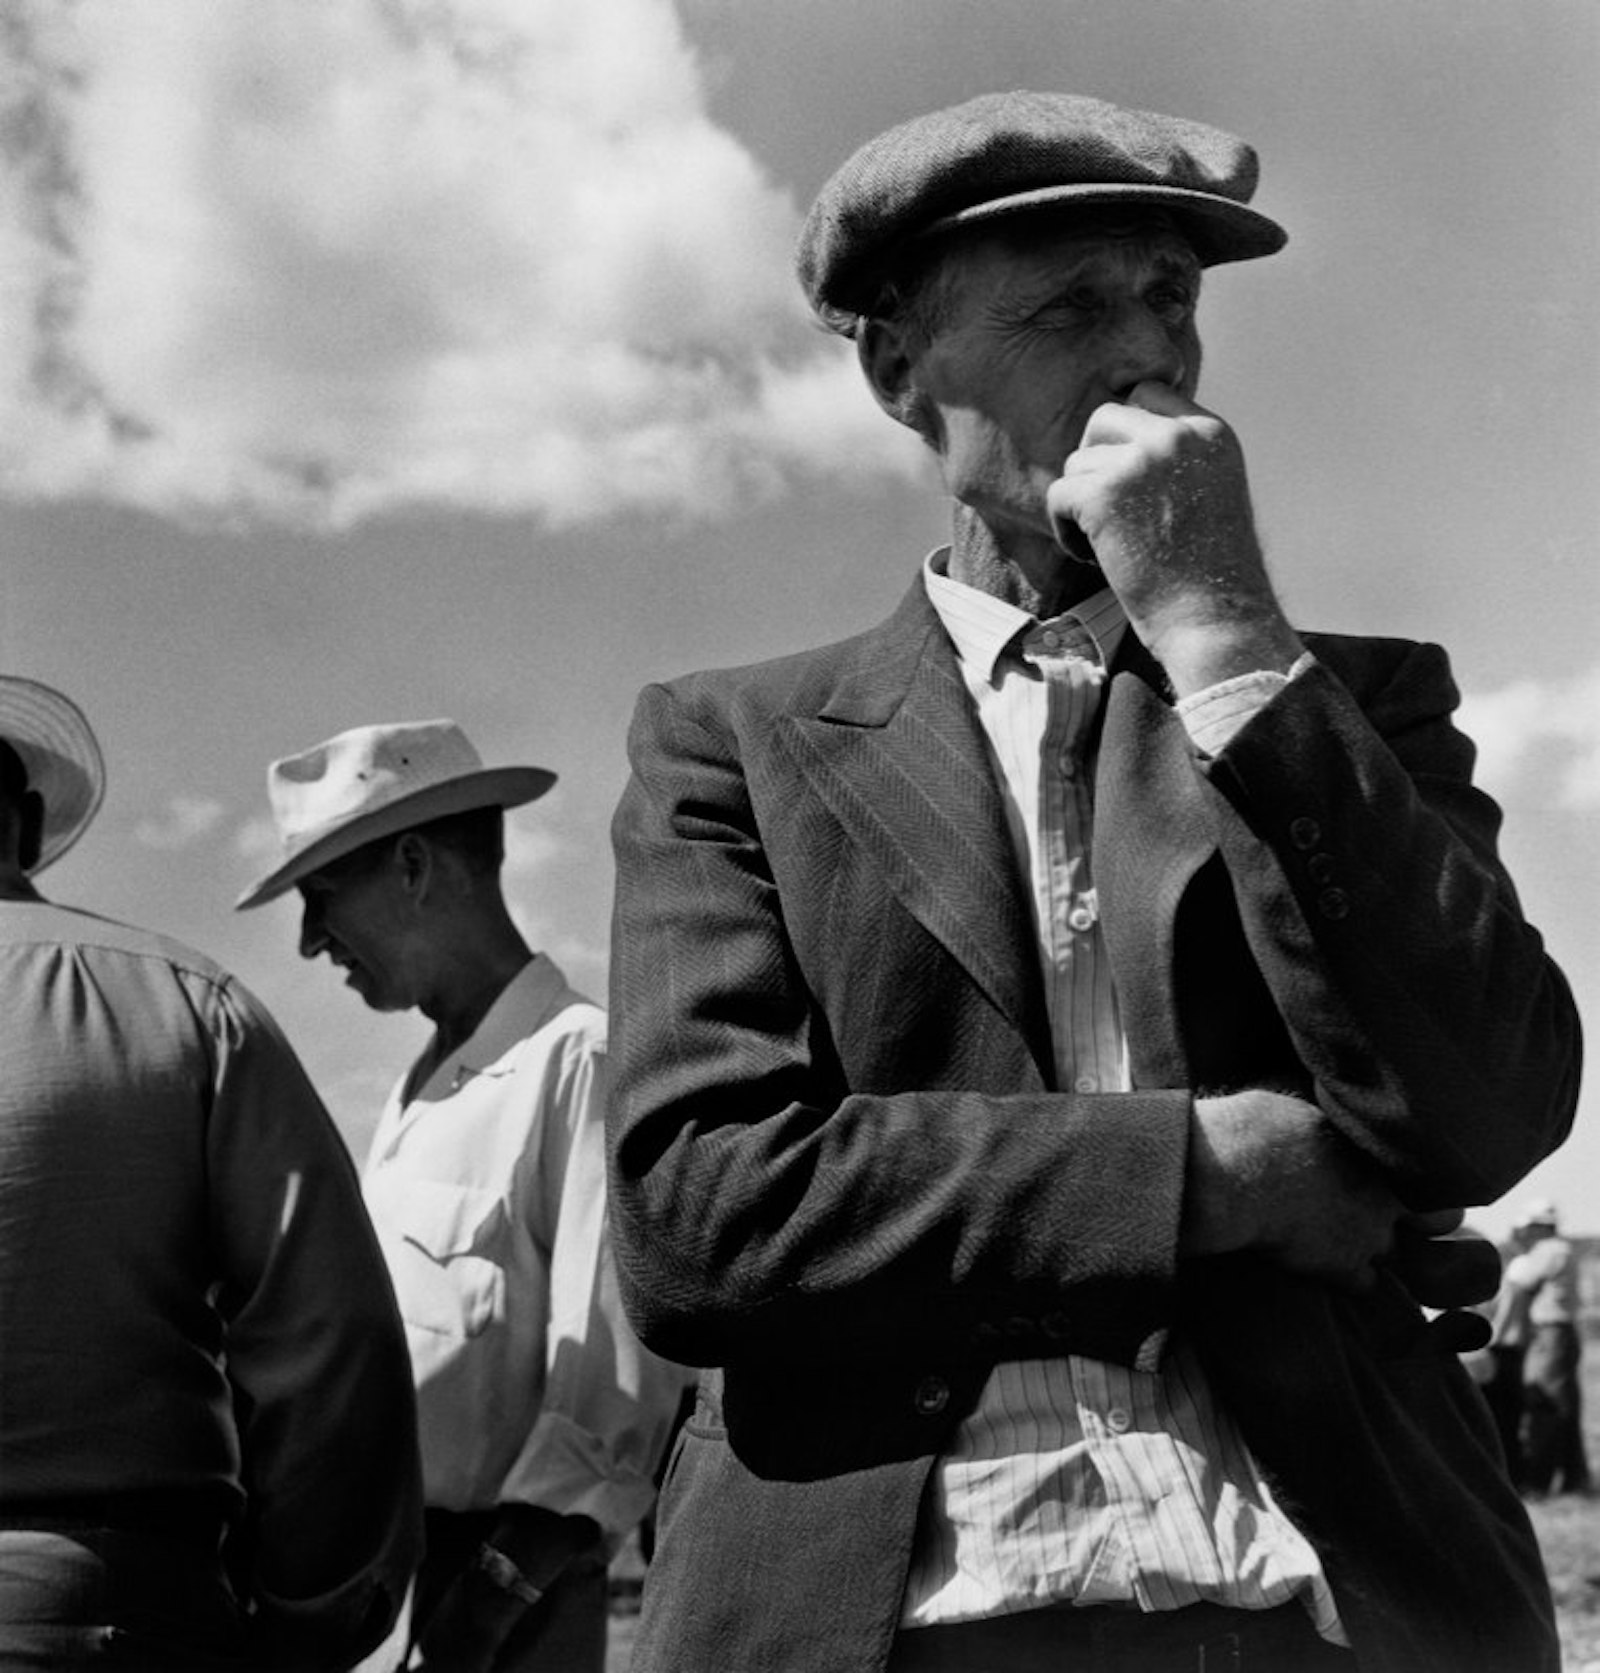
point(449, 1278)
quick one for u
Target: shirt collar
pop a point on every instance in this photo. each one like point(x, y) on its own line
point(505, 1025)
point(981, 626)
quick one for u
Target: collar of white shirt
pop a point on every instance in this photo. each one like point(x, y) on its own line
point(981, 626)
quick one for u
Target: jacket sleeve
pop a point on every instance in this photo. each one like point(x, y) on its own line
point(315, 1355)
point(1440, 1036)
point(765, 1202)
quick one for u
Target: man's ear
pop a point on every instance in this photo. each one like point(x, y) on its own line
point(30, 829)
point(413, 859)
point(890, 370)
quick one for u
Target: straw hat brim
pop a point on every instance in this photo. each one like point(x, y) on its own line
point(491, 787)
point(62, 756)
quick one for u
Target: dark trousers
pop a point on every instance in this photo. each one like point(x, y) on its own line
point(564, 1632)
point(1503, 1391)
point(1553, 1451)
point(92, 1597)
point(1203, 1638)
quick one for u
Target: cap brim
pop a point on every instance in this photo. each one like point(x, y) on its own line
point(1220, 229)
point(492, 787)
point(62, 756)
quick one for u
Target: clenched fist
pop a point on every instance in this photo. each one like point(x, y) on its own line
point(1158, 487)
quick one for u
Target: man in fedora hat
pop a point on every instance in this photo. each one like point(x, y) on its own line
point(1055, 1028)
point(207, 1435)
point(542, 1418)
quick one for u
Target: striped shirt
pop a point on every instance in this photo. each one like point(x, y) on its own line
point(1074, 1481)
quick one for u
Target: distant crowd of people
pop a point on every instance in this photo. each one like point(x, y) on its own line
point(1053, 1037)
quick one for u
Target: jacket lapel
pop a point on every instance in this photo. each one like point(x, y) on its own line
point(897, 755)
point(1154, 829)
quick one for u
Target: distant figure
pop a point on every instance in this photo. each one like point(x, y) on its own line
point(207, 1435)
point(1498, 1366)
point(542, 1418)
point(1542, 1285)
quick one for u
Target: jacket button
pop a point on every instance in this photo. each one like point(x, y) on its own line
point(931, 1397)
point(1333, 903)
point(1320, 868)
point(1305, 833)
point(1055, 1325)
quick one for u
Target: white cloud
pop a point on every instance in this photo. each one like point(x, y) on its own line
point(316, 262)
point(1539, 739)
point(257, 839)
point(530, 848)
point(183, 822)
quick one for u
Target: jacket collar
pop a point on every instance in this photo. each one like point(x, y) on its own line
point(897, 752)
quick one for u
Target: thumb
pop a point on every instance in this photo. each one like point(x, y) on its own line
point(1061, 505)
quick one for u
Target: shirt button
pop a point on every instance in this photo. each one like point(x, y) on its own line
point(1086, 1083)
point(1081, 918)
point(931, 1397)
point(1118, 1421)
point(1305, 833)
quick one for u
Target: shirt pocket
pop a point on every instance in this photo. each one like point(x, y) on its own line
point(448, 1279)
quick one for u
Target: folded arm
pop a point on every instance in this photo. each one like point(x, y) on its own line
point(769, 1197)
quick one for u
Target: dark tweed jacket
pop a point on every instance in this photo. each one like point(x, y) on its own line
point(843, 1176)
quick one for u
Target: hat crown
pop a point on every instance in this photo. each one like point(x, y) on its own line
point(1023, 140)
point(362, 770)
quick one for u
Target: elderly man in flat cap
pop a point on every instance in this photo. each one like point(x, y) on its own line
point(208, 1453)
point(1057, 1029)
point(542, 1418)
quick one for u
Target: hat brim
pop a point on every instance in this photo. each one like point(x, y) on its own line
point(63, 760)
point(1219, 228)
point(492, 787)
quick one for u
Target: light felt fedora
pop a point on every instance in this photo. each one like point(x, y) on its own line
point(376, 781)
point(58, 748)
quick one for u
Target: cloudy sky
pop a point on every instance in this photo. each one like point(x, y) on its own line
point(387, 359)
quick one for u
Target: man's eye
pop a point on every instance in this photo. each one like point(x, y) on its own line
point(1074, 304)
point(1172, 306)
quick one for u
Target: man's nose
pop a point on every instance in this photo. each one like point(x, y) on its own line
point(313, 938)
point(1143, 347)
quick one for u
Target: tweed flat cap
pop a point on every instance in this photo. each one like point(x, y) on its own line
point(1007, 153)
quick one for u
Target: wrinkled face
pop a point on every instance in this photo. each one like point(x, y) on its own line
point(1031, 335)
point(356, 912)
